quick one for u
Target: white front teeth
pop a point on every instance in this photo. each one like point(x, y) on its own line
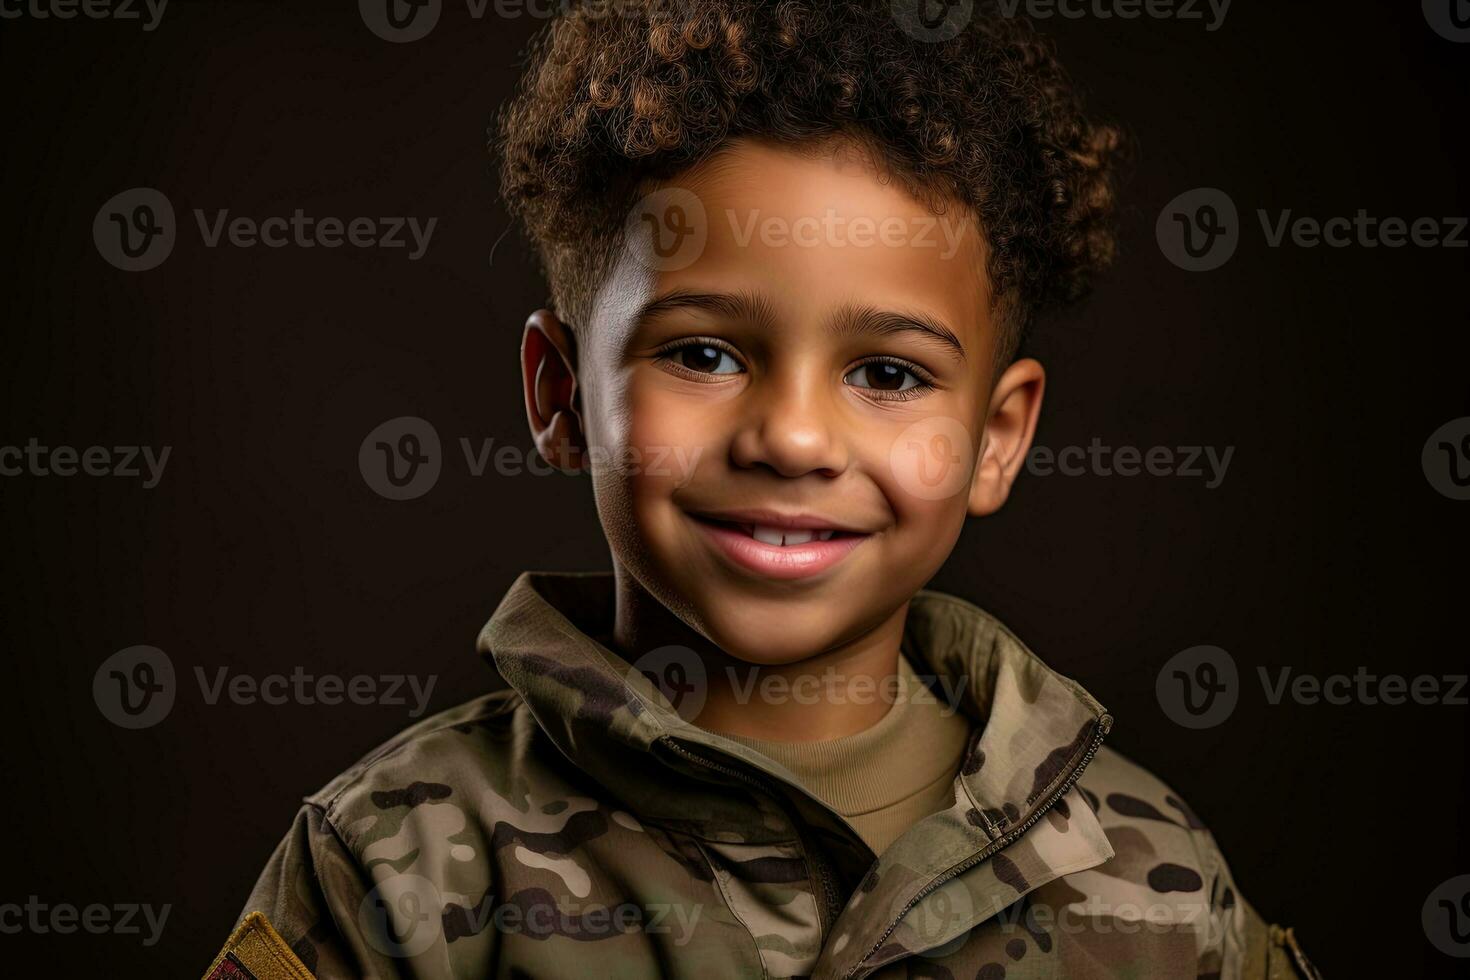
point(776, 536)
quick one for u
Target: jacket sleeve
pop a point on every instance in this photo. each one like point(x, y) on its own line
point(317, 899)
point(1262, 950)
point(321, 904)
point(339, 918)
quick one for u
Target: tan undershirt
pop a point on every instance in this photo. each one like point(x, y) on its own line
point(890, 776)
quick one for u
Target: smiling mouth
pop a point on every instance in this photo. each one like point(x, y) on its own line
point(781, 537)
point(796, 547)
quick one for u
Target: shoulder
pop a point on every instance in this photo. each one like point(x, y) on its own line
point(1155, 834)
point(472, 757)
point(1166, 859)
point(407, 805)
point(1113, 774)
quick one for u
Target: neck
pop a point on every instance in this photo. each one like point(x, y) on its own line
point(833, 693)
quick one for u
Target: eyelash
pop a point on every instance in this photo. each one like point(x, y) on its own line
point(925, 381)
point(665, 354)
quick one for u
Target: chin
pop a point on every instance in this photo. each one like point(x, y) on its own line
point(776, 632)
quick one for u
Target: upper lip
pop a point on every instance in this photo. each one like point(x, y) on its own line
point(771, 518)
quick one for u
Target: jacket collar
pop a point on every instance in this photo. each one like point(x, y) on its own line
point(1035, 731)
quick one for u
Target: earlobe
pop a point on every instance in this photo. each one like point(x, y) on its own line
point(1015, 406)
point(549, 379)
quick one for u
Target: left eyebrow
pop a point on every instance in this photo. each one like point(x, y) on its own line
point(853, 321)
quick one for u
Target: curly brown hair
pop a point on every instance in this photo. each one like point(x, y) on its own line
point(622, 94)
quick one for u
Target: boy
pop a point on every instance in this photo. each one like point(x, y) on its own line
point(793, 249)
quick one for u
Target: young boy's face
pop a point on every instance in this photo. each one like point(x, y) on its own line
point(789, 422)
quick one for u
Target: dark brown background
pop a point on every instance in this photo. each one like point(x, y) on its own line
point(263, 548)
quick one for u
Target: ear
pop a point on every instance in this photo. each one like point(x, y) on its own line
point(549, 376)
point(1015, 405)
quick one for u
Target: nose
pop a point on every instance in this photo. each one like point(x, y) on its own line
point(790, 426)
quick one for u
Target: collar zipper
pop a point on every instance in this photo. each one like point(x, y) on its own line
point(1104, 725)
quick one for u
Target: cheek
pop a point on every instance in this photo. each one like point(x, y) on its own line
point(924, 470)
point(663, 440)
point(926, 467)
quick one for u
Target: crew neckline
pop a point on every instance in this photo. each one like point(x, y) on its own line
point(918, 741)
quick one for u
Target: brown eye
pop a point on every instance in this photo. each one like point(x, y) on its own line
point(706, 359)
point(881, 376)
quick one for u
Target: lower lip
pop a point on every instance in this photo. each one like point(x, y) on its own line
point(779, 561)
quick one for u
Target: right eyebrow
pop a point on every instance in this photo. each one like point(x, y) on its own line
point(746, 305)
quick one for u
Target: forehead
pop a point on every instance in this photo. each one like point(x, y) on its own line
point(810, 232)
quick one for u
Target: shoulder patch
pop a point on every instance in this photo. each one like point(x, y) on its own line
point(255, 951)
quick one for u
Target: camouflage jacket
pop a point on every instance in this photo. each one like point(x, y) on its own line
point(575, 825)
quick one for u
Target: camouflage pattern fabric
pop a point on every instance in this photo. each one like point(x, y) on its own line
point(575, 825)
